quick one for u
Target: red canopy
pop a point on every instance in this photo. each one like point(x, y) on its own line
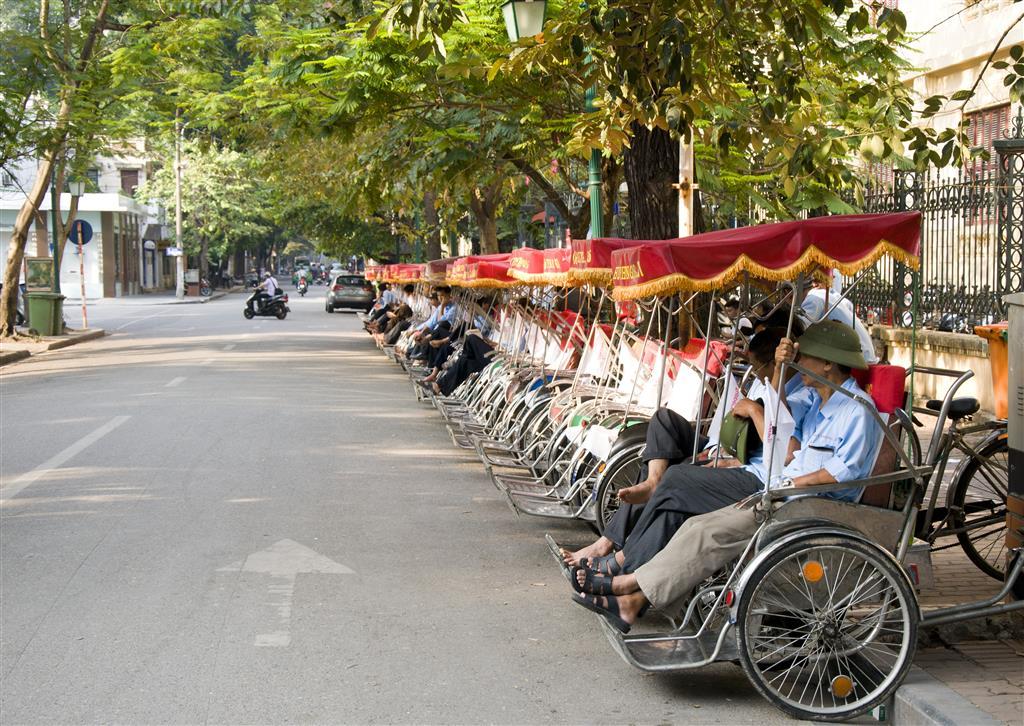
point(848, 243)
point(457, 273)
point(405, 273)
point(372, 272)
point(540, 267)
point(489, 275)
point(435, 270)
point(592, 259)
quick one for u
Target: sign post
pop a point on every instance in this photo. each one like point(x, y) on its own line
point(81, 232)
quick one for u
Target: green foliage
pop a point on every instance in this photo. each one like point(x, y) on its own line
point(224, 201)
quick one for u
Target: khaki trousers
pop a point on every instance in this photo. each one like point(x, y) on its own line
point(700, 548)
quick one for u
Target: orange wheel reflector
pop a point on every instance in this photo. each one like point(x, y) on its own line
point(842, 686)
point(813, 571)
point(601, 467)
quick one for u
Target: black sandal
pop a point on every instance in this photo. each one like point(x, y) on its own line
point(609, 611)
point(595, 583)
point(606, 565)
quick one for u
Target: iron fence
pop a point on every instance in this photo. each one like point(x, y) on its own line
point(972, 240)
point(960, 273)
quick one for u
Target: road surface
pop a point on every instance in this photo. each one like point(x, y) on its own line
point(212, 520)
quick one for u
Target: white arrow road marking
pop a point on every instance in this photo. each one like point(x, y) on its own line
point(283, 561)
point(12, 489)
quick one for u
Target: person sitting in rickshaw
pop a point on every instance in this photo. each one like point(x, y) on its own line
point(840, 439)
point(670, 443)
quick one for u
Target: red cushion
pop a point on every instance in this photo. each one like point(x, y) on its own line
point(885, 384)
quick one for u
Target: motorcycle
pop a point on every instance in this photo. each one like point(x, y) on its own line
point(274, 307)
point(303, 287)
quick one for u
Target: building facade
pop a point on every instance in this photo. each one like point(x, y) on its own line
point(127, 252)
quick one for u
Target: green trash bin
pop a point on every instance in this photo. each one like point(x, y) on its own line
point(46, 312)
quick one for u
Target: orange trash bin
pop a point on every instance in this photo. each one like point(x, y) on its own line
point(998, 356)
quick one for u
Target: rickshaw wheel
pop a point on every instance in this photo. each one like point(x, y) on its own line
point(623, 473)
point(827, 627)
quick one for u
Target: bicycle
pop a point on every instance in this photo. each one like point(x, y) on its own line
point(975, 503)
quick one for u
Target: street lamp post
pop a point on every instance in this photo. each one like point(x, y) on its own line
point(525, 18)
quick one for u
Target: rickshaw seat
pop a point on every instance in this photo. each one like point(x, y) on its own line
point(958, 408)
point(880, 525)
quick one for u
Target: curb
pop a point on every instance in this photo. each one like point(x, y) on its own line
point(21, 354)
point(201, 300)
point(926, 701)
point(13, 357)
point(81, 338)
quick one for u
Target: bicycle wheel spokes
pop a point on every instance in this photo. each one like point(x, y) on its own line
point(827, 630)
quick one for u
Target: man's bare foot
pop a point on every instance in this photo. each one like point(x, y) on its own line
point(631, 606)
point(603, 546)
point(638, 493)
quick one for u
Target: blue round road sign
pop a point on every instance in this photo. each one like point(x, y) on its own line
point(80, 227)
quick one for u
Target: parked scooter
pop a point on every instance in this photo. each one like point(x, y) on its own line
point(274, 307)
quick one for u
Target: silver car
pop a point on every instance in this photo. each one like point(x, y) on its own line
point(349, 291)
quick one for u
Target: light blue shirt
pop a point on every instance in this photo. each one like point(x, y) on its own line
point(841, 437)
point(388, 297)
point(798, 401)
point(438, 315)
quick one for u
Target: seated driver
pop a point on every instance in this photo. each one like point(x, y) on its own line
point(840, 439)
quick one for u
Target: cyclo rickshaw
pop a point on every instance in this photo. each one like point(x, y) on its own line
point(819, 609)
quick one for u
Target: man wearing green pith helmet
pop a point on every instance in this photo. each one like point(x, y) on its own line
point(691, 529)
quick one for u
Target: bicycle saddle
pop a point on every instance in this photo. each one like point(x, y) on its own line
point(958, 408)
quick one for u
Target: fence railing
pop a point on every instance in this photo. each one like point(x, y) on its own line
point(972, 241)
point(960, 274)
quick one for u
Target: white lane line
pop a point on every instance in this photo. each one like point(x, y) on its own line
point(139, 320)
point(229, 346)
point(13, 488)
point(175, 382)
point(207, 362)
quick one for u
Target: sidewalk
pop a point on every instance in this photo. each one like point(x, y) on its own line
point(981, 661)
point(988, 673)
point(161, 297)
point(12, 351)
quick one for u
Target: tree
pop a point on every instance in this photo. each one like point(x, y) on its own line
point(224, 201)
point(68, 57)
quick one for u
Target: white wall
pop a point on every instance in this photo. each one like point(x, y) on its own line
point(70, 279)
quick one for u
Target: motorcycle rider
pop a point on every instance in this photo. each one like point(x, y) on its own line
point(267, 289)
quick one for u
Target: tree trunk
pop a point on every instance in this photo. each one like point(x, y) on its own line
point(651, 168)
point(16, 249)
point(483, 202)
point(433, 223)
point(19, 235)
point(204, 257)
point(611, 178)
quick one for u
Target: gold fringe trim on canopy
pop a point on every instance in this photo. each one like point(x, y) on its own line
point(555, 279)
point(598, 276)
point(489, 284)
point(812, 257)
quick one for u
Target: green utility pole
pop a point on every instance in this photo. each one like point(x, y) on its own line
point(596, 217)
point(53, 232)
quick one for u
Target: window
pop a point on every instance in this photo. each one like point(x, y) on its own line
point(987, 126)
point(129, 181)
point(93, 176)
point(6, 180)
